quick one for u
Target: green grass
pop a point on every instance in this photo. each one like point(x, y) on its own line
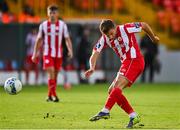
point(158, 105)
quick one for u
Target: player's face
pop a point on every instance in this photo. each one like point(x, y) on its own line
point(53, 15)
point(111, 34)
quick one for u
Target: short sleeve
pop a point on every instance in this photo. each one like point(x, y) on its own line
point(66, 33)
point(133, 27)
point(101, 44)
point(40, 32)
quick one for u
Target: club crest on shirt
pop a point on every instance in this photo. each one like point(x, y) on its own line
point(119, 39)
point(46, 61)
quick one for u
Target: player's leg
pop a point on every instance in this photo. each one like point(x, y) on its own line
point(122, 101)
point(122, 82)
point(55, 86)
point(48, 66)
point(129, 71)
point(115, 93)
point(135, 69)
point(57, 67)
point(51, 82)
point(56, 75)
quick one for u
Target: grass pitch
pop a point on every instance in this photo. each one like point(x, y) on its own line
point(158, 105)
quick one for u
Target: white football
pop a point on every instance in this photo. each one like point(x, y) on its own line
point(13, 86)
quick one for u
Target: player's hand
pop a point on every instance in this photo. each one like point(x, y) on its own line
point(156, 39)
point(70, 54)
point(34, 59)
point(89, 72)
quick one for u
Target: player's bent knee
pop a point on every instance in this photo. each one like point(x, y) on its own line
point(121, 82)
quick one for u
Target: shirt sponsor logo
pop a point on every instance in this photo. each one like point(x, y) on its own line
point(98, 46)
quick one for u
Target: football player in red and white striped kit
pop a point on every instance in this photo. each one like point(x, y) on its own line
point(121, 39)
point(50, 34)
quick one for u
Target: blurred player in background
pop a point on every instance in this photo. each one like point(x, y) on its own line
point(83, 53)
point(66, 63)
point(150, 52)
point(29, 65)
point(50, 34)
point(122, 40)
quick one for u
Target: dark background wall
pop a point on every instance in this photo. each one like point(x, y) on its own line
point(13, 47)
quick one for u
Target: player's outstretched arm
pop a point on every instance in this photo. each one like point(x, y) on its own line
point(69, 47)
point(37, 46)
point(92, 62)
point(150, 33)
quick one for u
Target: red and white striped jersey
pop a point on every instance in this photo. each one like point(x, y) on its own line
point(125, 44)
point(52, 35)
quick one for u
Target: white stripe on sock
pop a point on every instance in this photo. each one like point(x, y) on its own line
point(133, 115)
point(105, 110)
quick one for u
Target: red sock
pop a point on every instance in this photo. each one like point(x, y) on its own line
point(51, 83)
point(111, 100)
point(123, 102)
point(54, 88)
point(116, 96)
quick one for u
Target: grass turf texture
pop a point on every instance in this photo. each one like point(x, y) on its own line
point(158, 105)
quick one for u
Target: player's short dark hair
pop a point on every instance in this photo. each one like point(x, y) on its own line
point(106, 25)
point(53, 7)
